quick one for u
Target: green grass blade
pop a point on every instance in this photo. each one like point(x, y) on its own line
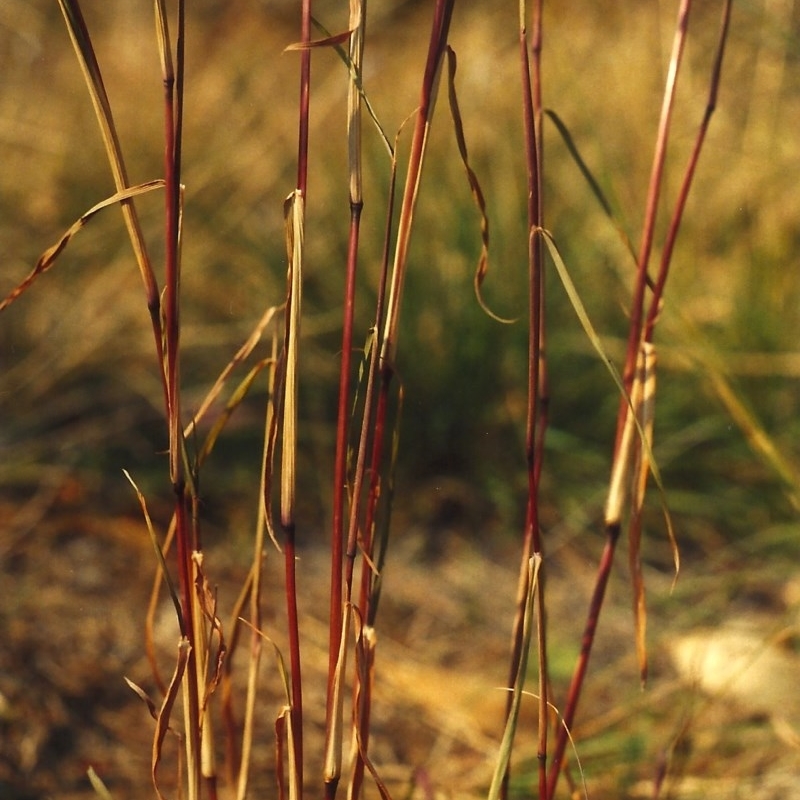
point(509, 733)
point(594, 184)
point(591, 333)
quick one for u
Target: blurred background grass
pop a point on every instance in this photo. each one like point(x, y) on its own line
point(79, 397)
point(733, 296)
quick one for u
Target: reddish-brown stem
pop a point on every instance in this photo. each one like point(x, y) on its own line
point(305, 98)
point(683, 194)
point(337, 609)
point(366, 598)
point(634, 338)
point(534, 432)
point(576, 685)
point(77, 25)
point(365, 655)
point(340, 462)
point(340, 469)
point(540, 402)
point(293, 623)
point(651, 211)
point(374, 379)
point(436, 48)
point(289, 523)
point(363, 688)
point(185, 546)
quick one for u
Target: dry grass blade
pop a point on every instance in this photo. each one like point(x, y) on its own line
point(163, 38)
point(292, 738)
point(366, 644)
point(235, 400)
point(247, 733)
point(48, 259)
point(757, 437)
point(383, 790)
point(280, 735)
point(165, 712)
point(474, 184)
point(507, 742)
point(328, 41)
point(283, 672)
point(295, 225)
point(354, 94)
point(332, 768)
point(173, 592)
point(247, 742)
point(97, 784)
point(293, 214)
point(352, 64)
point(572, 745)
point(82, 43)
point(270, 444)
point(143, 696)
point(241, 354)
point(252, 591)
point(436, 49)
point(622, 469)
point(646, 391)
point(283, 732)
point(615, 498)
point(207, 628)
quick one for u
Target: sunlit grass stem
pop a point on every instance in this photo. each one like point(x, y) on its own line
point(613, 526)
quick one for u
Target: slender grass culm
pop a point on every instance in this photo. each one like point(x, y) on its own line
point(320, 383)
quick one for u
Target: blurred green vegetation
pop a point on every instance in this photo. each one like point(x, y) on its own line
point(733, 296)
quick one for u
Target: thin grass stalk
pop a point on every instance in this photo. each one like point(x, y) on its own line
point(587, 640)
point(296, 227)
point(82, 44)
point(365, 673)
point(337, 609)
point(384, 356)
point(183, 534)
point(541, 403)
point(305, 98)
point(243, 352)
point(436, 49)
point(688, 177)
point(333, 727)
point(613, 521)
point(288, 414)
point(516, 689)
point(534, 434)
point(651, 209)
point(374, 417)
point(645, 385)
point(256, 640)
point(362, 689)
point(152, 609)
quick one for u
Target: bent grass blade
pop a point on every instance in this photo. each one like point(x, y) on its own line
point(48, 259)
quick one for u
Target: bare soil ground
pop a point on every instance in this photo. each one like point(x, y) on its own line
point(72, 615)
